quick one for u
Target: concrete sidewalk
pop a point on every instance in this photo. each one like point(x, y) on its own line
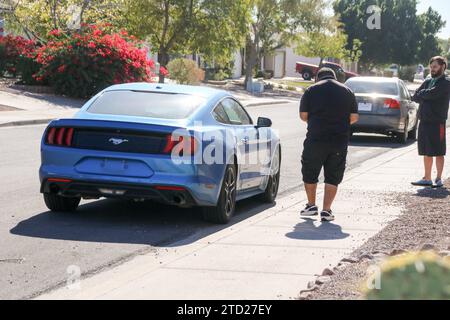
point(271, 255)
point(43, 108)
point(35, 108)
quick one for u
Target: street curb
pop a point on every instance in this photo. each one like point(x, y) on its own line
point(25, 122)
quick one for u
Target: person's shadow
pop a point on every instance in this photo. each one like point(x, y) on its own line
point(308, 230)
point(439, 193)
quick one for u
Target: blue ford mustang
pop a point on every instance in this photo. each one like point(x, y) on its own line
point(181, 145)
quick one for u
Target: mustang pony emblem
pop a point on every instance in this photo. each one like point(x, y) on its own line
point(116, 141)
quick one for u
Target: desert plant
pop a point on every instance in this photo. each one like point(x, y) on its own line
point(81, 63)
point(414, 276)
point(221, 75)
point(185, 71)
point(265, 74)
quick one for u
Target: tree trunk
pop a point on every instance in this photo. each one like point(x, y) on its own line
point(251, 58)
point(163, 60)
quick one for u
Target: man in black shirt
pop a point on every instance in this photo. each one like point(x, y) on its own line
point(329, 108)
point(433, 96)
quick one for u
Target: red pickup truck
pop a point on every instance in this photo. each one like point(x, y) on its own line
point(309, 71)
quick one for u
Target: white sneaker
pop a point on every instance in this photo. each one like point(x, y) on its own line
point(327, 216)
point(310, 211)
point(438, 183)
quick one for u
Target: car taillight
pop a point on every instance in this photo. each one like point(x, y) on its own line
point(189, 145)
point(391, 104)
point(60, 136)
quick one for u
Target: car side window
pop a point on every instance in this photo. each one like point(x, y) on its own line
point(236, 113)
point(220, 115)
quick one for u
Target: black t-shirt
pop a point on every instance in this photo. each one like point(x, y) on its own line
point(329, 105)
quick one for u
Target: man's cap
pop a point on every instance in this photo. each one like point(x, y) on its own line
point(326, 73)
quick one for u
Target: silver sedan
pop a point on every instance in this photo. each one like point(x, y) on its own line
point(385, 107)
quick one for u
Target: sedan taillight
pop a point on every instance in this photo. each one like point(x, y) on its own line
point(391, 104)
point(60, 136)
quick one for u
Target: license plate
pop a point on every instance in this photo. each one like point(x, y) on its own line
point(364, 106)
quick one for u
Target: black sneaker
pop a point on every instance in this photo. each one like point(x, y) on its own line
point(327, 216)
point(310, 211)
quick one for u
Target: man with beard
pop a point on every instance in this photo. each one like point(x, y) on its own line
point(433, 97)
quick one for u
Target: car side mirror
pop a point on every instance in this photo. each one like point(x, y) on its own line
point(264, 122)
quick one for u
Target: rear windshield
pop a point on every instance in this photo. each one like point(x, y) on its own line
point(388, 88)
point(146, 104)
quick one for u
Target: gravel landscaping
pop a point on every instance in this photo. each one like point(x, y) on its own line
point(424, 225)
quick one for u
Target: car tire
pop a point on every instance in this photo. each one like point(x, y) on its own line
point(306, 75)
point(222, 213)
point(402, 137)
point(270, 194)
point(412, 135)
point(61, 204)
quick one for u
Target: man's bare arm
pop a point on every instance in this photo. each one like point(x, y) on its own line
point(304, 116)
point(354, 118)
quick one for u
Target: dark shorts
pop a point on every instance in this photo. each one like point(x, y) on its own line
point(432, 139)
point(331, 157)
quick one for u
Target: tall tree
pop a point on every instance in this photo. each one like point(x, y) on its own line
point(274, 24)
point(404, 35)
point(430, 24)
point(35, 18)
point(186, 26)
point(327, 41)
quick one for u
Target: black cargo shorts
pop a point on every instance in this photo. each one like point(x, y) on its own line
point(432, 139)
point(330, 156)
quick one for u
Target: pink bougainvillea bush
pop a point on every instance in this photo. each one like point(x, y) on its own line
point(80, 64)
point(17, 57)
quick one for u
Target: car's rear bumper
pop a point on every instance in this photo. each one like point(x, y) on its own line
point(173, 195)
point(378, 124)
point(202, 181)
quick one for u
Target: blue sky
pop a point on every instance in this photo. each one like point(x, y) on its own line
point(441, 6)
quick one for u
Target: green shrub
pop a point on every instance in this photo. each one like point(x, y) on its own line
point(2, 59)
point(221, 75)
point(416, 276)
point(185, 71)
point(27, 68)
point(265, 74)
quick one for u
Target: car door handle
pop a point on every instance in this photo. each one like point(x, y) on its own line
point(245, 140)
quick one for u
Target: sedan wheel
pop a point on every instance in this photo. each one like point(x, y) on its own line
point(270, 194)
point(226, 206)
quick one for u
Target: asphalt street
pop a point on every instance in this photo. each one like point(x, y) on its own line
point(38, 247)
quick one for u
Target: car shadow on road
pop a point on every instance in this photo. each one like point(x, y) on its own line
point(308, 230)
point(123, 222)
point(380, 141)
